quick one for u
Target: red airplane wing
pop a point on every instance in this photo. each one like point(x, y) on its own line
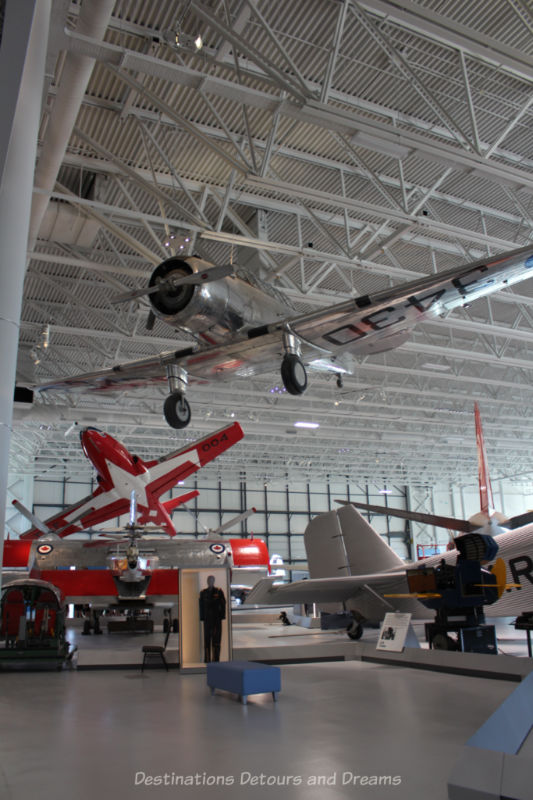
point(167, 471)
point(99, 506)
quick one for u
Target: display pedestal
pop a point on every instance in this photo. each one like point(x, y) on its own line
point(191, 629)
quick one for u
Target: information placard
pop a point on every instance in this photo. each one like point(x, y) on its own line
point(393, 632)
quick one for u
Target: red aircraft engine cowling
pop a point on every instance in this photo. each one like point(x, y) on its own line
point(249, 553)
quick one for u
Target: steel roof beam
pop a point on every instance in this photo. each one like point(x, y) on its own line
point(376, 134)
point(252, 199)
point(453, 34)
point(352, 204)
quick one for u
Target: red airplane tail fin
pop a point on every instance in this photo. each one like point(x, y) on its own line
point(170, 505)
point(485, 488)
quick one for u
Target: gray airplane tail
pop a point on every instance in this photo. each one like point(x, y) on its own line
point(342, 542)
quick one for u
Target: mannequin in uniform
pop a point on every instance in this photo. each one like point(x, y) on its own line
point(212, 612)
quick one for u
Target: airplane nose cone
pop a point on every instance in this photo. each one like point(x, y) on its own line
point(90, 435)
point(90, 439)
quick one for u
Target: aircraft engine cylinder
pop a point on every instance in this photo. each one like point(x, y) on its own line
point(218, 308)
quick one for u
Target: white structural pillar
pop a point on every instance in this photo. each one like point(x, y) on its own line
point(22, 67)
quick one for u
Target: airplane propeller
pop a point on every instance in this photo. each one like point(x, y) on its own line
point(451, 523)
point(131, 530)
point(226, 525)
point(40, 525)
point(232, 522)
point(206, 276)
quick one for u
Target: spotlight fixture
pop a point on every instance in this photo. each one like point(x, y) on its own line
point(180, 40)
point(45, 333)
point(176, 242)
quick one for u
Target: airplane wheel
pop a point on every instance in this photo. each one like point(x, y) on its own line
point(175, 626)
point(443, 642)
point(166, 625)
point(354, 630)
point(293, 374)
point(177, 410)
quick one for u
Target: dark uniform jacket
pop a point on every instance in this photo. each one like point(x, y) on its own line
point(212, 604)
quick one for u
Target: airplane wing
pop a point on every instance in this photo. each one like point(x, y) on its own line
point(92, 510)
point(167, 471)
point(361, 326)
point(323, 590)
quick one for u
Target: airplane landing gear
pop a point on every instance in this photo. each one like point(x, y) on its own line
point(442, 641)
point(176, 409)
point(354, 630)
point(293, 372)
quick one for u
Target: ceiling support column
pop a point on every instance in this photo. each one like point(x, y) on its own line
point(22, 65)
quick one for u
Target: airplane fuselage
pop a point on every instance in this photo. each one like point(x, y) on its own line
point(516, 550)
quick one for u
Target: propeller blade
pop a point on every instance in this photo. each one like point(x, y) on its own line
point(208, 275)
point(35, 521)
point(416, 516)
point(289, 567)
point(232, 522)
point(518, 521)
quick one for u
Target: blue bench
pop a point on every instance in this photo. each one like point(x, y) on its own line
point(243, 678)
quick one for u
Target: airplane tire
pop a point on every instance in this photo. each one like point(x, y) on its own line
point(177, 410)
point(175, 626)
point(354, 630)
point(443, 642)
point(293, 374)
point(166, 625)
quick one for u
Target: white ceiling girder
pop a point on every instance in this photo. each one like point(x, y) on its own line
point(350, 168)
point(313, 112)
point(445, 31)
point(284, 206)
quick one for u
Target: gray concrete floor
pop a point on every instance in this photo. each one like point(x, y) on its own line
point(85, 735)
point(269, 638)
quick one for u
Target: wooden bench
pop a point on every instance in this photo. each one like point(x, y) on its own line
point(243, 678)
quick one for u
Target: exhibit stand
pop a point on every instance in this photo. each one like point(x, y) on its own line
point(191, 628)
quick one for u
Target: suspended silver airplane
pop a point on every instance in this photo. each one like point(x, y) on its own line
point(241, 330)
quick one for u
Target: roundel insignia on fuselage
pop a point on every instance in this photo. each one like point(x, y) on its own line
point(217, 548)
point(44, 549)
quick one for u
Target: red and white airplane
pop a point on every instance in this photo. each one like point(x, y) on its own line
point(119, 473)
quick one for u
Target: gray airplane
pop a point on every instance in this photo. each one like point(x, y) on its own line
point(242, 330)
